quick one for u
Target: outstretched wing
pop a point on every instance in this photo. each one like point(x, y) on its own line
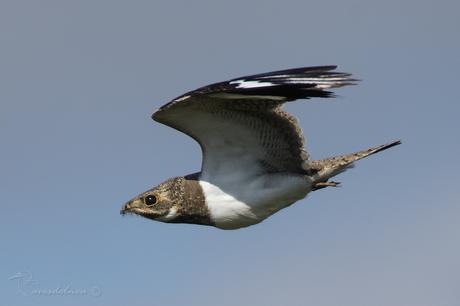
point(240, 124)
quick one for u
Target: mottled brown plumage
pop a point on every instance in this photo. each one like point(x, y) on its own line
point(254, 160)
point(180, 194)
point(329, 167)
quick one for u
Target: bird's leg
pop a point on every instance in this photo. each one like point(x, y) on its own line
point(321, 185)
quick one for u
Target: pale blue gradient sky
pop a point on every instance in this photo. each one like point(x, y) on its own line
point(79, 80)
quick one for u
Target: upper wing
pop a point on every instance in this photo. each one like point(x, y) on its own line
point(240, 125)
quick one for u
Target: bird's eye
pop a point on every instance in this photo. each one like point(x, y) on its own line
point(150, 200)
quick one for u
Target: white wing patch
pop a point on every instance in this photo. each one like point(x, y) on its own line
point(319, 82)
point(251, 84)
point(182, 98)
point(224, 95)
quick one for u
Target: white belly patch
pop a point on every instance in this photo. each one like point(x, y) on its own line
point(235, 204)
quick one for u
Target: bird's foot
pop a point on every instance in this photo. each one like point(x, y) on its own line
point(321, 185)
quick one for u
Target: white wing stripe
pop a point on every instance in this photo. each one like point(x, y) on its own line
point(251, 84)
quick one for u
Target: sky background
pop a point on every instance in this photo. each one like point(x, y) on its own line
point(80, 79)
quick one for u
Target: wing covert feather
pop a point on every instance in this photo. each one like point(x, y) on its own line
point(240, 124)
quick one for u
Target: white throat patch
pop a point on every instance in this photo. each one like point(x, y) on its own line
point(170, 216)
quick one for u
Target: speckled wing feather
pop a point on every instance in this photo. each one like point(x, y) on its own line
point(240, 124)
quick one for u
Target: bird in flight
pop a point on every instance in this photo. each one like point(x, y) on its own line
point(254, 160)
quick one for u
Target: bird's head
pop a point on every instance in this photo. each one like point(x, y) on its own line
point(161, 203)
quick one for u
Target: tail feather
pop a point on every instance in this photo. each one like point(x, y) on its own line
point(332, 166)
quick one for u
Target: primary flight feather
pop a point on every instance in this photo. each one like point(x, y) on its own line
point(254, 160)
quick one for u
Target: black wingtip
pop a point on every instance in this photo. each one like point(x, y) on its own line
point(296, 71)
point(387, 146)
point(288, 84)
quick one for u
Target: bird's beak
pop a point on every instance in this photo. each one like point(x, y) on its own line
point(131, 206)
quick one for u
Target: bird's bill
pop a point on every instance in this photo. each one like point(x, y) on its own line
point(132, 207)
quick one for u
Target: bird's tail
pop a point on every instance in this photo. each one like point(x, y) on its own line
point(329, 167)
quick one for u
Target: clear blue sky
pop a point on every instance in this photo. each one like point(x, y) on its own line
point(79, 80)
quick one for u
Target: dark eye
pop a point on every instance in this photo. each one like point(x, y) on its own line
point(150, 200)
